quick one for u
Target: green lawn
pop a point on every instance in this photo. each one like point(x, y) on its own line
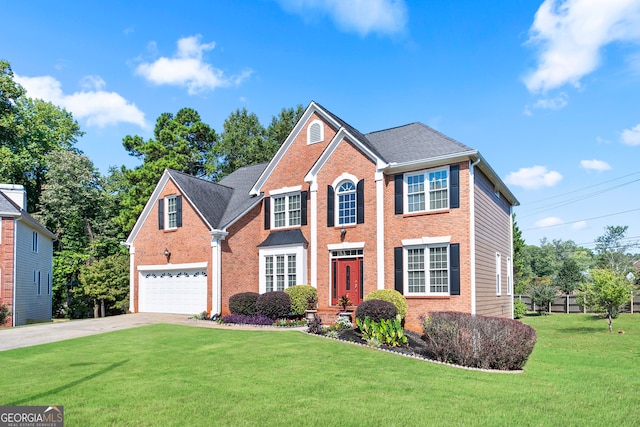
point(578, 374)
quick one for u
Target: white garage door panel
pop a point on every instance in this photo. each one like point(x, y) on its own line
point(180, 292)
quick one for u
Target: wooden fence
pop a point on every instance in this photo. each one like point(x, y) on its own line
point(568, 304)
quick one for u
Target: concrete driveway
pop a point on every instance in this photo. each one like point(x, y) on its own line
point(25, 336)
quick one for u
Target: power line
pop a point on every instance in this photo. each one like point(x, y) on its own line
point(580, 220)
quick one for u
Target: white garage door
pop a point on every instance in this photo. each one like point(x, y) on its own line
point(176, 291)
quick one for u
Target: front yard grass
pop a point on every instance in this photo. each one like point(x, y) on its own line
point(578, 374)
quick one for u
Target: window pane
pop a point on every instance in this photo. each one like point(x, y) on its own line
point(347, 208)
point(415, 193)
point(438, 194)
point(438, 270)
point(294, 209)
point(416, 273)
point(171, 212)
point(291, 271)
point(268, 267)
point(279, 215)
point(280, 273)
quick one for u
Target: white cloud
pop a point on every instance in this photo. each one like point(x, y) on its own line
point(360, 16)
point(596, 165)
point(549, 222)
point(631, 136)
point(96, 106)
point(580, 225)
point(533, 178)
point(571, 34)
point(555, 103)
point(187, 68)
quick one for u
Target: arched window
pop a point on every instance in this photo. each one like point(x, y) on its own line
point(346, 203)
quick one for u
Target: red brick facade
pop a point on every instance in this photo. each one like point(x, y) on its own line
point(7, 265)
point(312, 168)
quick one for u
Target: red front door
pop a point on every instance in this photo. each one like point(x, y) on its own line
point(347, 279)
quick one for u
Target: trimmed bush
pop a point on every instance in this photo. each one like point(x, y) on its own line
point(274, 304)
point(302, 297)
point(519, 309)
point(243, 303)
point(376, 310)
point(247, 320)
point(478, 341)
point(392, 296)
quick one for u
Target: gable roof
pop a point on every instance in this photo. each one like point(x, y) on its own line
point(218, 204)
point(9, 208)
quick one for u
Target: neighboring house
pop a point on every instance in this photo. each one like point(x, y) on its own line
point(26, 252)
point(406, 208)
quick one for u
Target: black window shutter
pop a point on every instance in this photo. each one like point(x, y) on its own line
point(398, 196)
point(454, 186)
point(161, 214)
point(267, 213)
point(398, 275)
point(178, 211)
point(454, 268)
point(360, 202)
point(303, 207)
point(330, 206)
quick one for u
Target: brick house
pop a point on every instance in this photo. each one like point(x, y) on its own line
point(406, 208)
point(26, 253)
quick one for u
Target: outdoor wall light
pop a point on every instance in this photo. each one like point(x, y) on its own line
point(167, 254)
point(343, 232)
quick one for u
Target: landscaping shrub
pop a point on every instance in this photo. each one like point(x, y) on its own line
point(256, 319)
point(478, 341)
point(4, 312)
point(376, 310)
point(386, 331)
point(303, 297)
point(392, 296)
point(243, 303)
point(519, 309)
point(274, 304)
point(315, 326)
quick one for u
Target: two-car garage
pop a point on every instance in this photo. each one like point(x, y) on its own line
point(180, 288)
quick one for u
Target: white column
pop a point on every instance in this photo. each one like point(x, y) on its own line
point(216, 276)
point(314, 234)
point(132, 276)
point(379, 177)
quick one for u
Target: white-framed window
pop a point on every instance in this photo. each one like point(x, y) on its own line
point(426, 270)
point(509, 276)
point(280, 272)
point(426, 190)
point(286, 210)
point(282, 267)
point(315, 132)
point(346, 203)
point(171, 212)
point(498, 274)
point(34, 241)
point(38, 283)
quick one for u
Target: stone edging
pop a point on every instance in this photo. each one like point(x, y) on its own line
point(452, 365)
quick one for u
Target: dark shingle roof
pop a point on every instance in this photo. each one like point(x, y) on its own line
point(7, 206)
point(286, 237)
point(414, 141)
point(220, 203)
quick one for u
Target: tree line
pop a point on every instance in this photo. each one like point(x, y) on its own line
point(90, 213)
point(602, 279)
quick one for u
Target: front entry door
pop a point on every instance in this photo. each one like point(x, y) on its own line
point(347, 279)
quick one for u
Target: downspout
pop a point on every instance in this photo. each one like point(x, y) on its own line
point(472, 234)
point(510, 273)
point(15, 272)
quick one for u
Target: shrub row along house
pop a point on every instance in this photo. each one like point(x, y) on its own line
point(26, 252)
point(406, 208)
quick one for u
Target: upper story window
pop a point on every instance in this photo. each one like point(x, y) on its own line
point(315, 132)
point(346, 203)
point(498, 274)
point(34, 241)
point(427, 190)
point(170, 212)
point(286, 210)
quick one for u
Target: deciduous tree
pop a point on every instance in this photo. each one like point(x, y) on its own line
point(605, 292)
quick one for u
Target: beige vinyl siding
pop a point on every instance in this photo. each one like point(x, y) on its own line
point(29, 305)
point(493, 235)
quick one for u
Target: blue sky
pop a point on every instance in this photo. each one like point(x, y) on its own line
point(548, 92)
